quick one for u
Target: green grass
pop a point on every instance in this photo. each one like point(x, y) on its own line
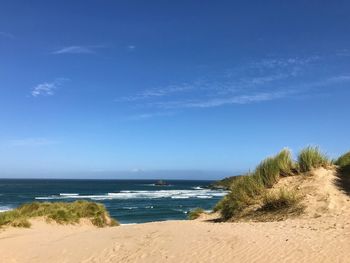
point(343, 160)
point(343, 174)
point(269, 172)
point(60, 212)
point(244, 193)
point(311, 158)
point(195, 213)
point(283, 199)
point(248, 190)
point(285, 162)
point(270, 169)
point(225, 183)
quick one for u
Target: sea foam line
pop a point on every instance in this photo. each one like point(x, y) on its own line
point(128, 194)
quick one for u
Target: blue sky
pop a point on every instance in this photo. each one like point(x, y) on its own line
point(125, 88)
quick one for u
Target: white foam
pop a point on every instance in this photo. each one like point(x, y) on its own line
point(204, 196)
point(123, 195)
point(179, 197)
point(130, 207)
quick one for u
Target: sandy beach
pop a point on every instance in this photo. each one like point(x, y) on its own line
point(321, 234)
point(318, 240)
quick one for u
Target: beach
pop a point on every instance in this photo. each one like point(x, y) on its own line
point(320, 234)
point(316, 240)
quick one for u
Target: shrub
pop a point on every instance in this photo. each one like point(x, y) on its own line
point(310, 158)
point(62, 213)
point(280, 200)
point(195, 213)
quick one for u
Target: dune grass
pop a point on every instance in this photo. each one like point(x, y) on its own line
point(248, 190)
point(343, 174)
point(60, 212)
point(270, 169)
point(285, 162)
point(253, 189)
point(244, 192)
point(310, 158)
point(343, 160)
point(195, 213)
point(280, 200)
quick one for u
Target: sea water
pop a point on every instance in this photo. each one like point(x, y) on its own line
point(129, 201)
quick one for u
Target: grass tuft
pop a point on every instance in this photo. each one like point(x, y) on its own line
point(285, 162)
point(283, 199)
point(244, 192)
point(195, 213)
point(268, 170)
point(311, 158)
point(343, 160)
point(60, 212)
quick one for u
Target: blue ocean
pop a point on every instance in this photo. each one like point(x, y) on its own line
point(129, 201)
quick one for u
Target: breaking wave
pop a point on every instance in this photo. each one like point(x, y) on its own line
point(124, 195)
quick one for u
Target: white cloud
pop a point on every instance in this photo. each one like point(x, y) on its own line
point(47, 88)
point(252, 82)
point(160, 92)
point(31, 142)
point(283, 62)
point(216, 102)
point(76, 50)
point(131, 47)
point(145, 116)
point(44, 89)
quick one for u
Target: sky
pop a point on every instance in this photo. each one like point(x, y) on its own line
point(184, 89)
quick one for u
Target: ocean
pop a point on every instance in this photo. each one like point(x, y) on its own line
point(128, 201)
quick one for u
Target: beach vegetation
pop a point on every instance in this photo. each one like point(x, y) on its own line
point(311, 158)
point(343, 160)
point(248, 190)
point(280, 200)
point(195, 213)
point(60, 212)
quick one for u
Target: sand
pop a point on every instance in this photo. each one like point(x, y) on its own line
point(321, 235)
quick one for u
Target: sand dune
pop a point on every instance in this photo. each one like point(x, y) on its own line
point(321, 235)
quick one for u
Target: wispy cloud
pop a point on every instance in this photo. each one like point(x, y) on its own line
point(44, 89)
point(284, 62)
point(343, 53)
point(157, 92)
point(216, 102)
point(77, 50)
point(252, 82)
point(6, 35)
point(149, 115)
point(131, 47)
point(250, 76)
point(31, 142)
point(47, 88)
